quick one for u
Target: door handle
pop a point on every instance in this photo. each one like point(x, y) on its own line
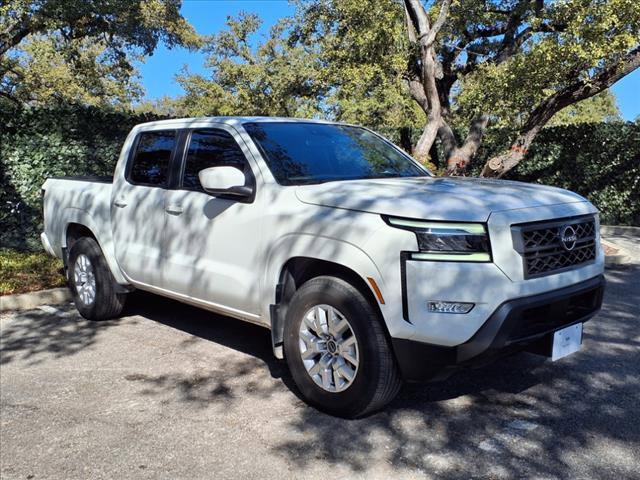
point(174, 209)
point(120, 203)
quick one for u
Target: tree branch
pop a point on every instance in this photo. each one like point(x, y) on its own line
point(584, 89)
point(429, 37)
point(577, 91)
point(14, 35)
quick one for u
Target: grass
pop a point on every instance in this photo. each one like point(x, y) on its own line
point(22, 272)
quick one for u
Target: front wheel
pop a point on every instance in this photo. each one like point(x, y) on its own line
point(91, 282)
point(337, 350)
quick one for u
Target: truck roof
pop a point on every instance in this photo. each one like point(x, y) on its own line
point(186, 122)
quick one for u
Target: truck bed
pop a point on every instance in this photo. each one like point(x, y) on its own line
point(77, 200)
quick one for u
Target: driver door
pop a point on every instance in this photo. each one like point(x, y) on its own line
point(212, 244)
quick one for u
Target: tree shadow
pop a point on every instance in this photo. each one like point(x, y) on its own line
point(36, 335)
point(226, 381)
point(522, 416)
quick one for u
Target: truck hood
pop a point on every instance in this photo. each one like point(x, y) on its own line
point(434, 198)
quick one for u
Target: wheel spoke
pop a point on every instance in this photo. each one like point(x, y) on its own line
point(350, 358)
point(315, 369)
point(336, 379)
point(314, 347)
point(321, 320)
point(311, 322)
point(346, 372)
point(348, 342)
point(338, 328)
point(325, 373)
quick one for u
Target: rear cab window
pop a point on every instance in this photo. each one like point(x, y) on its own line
point(151, 160)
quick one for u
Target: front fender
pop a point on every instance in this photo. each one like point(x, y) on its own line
point(332, 250)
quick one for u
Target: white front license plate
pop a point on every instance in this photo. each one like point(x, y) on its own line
point(566, 341)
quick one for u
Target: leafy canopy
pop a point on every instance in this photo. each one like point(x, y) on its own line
point(558, 44)
point(274, 78)
point(91, 47)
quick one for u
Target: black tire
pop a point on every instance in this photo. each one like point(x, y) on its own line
point(377, 380)
point(106, 303)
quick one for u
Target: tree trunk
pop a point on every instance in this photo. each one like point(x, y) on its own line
point(426, 140)
point(458, 157)
point(405, 139)
point(499, 165)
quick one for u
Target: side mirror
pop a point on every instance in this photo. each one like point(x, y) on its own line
point(224, 182)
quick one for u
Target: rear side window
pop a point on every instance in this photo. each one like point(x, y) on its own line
point(150, 164)
point(210, 148)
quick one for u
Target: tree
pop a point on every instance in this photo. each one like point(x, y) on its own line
point(275, 78)
point(599, 108)
point(91, 46)
point(547, 57)
point(362, 51)
point(50, 71)
point(514, 63)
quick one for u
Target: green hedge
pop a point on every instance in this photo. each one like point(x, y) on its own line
point(599, 161)
point(40, 143)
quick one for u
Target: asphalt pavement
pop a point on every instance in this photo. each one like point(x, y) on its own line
point(170, 391)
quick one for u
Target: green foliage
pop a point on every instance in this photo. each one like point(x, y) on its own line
point(599, 108)
point(57, 51)
point(22, 272)
point(576, 39)
point(363, 51)
point(50, 71)
point(39, 143)
point(276, 78)
point(600, 161)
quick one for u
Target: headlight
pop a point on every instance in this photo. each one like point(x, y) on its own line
point(447, 241)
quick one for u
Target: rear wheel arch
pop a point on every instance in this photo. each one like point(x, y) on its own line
point(75, 231)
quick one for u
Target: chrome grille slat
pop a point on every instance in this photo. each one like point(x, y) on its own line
point(542, 250)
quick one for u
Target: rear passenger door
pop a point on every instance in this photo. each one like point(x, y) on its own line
point(213, 243)
point(138, 202)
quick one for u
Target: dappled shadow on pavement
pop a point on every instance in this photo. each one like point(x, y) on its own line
point(32, 336)
point(229, 377)
point(520, 417)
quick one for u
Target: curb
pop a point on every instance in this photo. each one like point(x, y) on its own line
point(27, 301)
point(617, 260)
point(620, 230)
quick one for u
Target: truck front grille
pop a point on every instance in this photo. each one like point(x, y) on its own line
point(551, 247)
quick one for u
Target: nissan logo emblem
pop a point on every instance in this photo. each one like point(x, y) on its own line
point(568, 237)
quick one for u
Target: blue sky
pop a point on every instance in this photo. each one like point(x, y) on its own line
point(209, 16)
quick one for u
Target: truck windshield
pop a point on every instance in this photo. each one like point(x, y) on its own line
point(299, 153)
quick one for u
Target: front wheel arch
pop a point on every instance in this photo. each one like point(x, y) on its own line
point(295, 273)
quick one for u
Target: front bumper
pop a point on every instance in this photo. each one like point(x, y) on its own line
point(516, 325)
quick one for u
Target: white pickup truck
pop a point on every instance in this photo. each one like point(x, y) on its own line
point(367, 269)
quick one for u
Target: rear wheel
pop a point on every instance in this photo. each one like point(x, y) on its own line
point(337, 350)
point(93, 287)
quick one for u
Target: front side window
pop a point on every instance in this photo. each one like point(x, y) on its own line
point(300, 153)
point(210, 148)
point(150, 165)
